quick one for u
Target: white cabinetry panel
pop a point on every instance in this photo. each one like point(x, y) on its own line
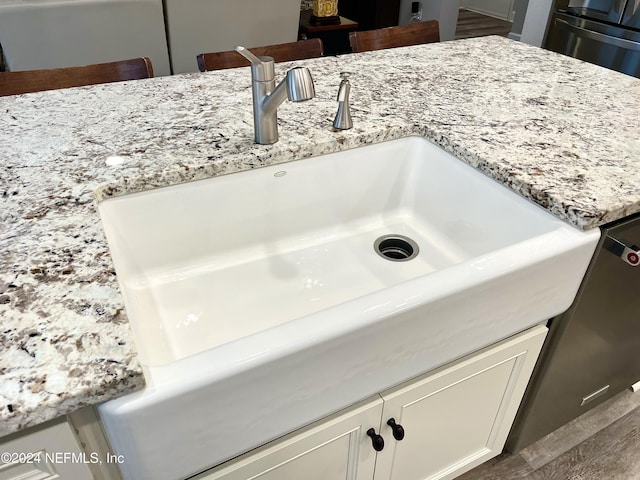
point(459, 416)
point(336, 449)
point(454, 418)
point(47, 453)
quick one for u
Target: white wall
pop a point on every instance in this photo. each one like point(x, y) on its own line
point(520, 6)
point(445, 11)
point(502, 9)
point(535, 22)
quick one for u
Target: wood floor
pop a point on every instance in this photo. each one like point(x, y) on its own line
point(602, 444)
point(471, 24)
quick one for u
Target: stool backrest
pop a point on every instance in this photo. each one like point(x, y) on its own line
point(13, 83)
point(391, 37)
point(282, 52)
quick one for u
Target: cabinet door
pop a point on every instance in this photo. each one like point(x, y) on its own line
point(47, 452)
point(458, 416)
point(337, 448)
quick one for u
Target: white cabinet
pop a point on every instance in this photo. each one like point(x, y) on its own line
point(458, 416)
point(335, 449)
point(67, 448)
point(453, 418)
point(47, 452)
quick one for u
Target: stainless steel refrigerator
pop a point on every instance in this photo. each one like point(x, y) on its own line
point(592, 351)
point(604, 32)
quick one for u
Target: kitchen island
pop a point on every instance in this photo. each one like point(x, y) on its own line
point(557, 131)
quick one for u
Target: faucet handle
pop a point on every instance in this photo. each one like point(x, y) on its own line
point(248, 54)
point(262, 68)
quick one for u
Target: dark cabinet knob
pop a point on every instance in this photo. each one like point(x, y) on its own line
point(376, 440)
point(398, 430)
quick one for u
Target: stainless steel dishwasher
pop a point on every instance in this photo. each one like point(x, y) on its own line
point(592, 351)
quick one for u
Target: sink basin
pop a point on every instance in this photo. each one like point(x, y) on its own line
point(264, 297)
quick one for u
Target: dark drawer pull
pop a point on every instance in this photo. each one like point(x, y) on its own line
point(376, 440)
point(398, 430)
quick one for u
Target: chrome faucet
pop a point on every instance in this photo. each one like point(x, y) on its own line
point(267, 97)
point(343, 119)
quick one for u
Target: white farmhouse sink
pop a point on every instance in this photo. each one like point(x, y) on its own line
point(259, 303)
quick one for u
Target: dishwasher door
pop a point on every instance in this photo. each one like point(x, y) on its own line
point(592, 351)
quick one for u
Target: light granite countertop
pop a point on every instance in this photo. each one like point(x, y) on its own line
point(558, 131)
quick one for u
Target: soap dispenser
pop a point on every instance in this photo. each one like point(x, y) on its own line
point(343, 119)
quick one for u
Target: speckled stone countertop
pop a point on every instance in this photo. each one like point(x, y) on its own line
point(558, 131)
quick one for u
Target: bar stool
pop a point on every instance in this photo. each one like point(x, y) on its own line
point(14, 83)
point(282, 52)
point(391, 37)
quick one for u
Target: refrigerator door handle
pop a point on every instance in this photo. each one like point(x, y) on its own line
point(607, 11)
point(628, 253)
point(600, 37)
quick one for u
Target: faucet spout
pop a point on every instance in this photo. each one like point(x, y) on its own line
point(300, 87)
point(297, 86)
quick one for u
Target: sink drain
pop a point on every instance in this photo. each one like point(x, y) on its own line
point(396, 248)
